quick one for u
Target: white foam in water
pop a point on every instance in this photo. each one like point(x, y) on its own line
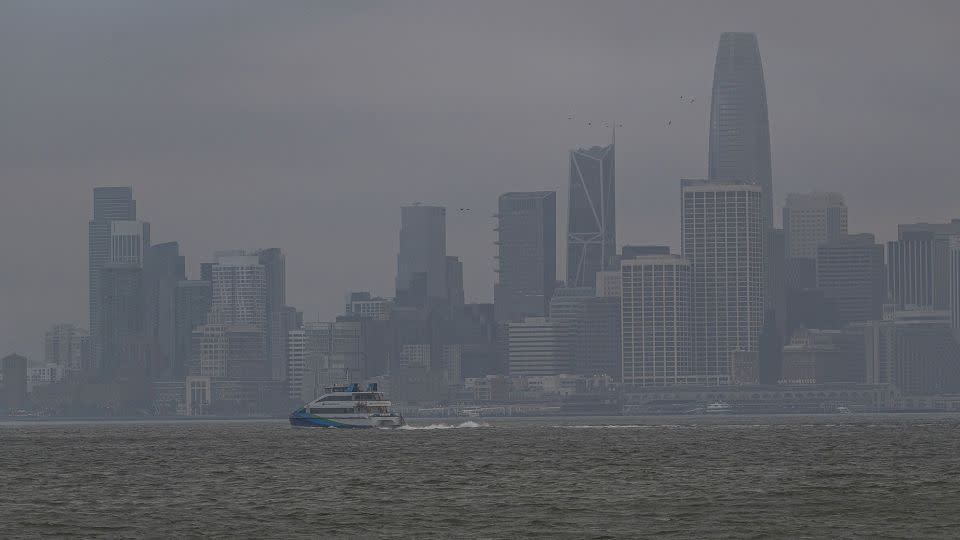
point(467, 424)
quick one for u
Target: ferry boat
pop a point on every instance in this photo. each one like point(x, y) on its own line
point(347, 407)
point(719, 407)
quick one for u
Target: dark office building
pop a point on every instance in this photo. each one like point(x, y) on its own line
point(850, 271)
point(526, 254)
point(163, 270)
point(122, 311)
point(14, 382)
point(918, 267)
point(194, 299)
point(109, 204)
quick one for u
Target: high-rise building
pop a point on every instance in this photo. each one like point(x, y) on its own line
point(163, 270)
point(109, 204)
point(913, 350)
point(850, 272)
point(194, 299)
point(275, 304)
point(812, 219)
point(455, 294)
point(540, 347)
point(824, 356)
point(595, 323)
point(121, 315)
point(127, 244)
point(526, 254)
point(14, 368)
point(229, 351)
point(656, 320)
point(281, 323)
point(69, 347)
point(310, 349)
point(239, 290)
point(954, 285)
point(918, 266)
point(296, 362)
point(739, 127)
point(422, 260)
point(949, 232)
point(722, 238)
point(609, 283)
point(363, 304)
point(591, 219)
point(634, 251)
point(240, 311)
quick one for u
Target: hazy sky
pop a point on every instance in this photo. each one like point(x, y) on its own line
point(305, 125)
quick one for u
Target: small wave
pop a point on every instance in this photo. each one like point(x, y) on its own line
point(467, 424)
point(620, 426)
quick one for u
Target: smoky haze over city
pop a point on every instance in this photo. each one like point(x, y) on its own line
point(491, 232)
point(306, 126)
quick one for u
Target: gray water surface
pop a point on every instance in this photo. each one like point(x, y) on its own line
point(704, 477)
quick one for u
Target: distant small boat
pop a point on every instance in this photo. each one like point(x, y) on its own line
point(718, 407)
point(842, 410)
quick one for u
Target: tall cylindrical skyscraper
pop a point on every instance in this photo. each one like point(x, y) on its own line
point(740, 130)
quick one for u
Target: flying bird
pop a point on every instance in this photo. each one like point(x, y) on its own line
point(669, 122)
point(589, 124)
point(691, 100)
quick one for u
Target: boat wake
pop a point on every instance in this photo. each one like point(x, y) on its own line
point(467, 424)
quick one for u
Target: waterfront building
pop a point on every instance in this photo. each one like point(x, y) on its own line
point(656, 320)
point(816, 356)
point(914, 350)
point(540, 347)
point(595, 323)
point(526, 254)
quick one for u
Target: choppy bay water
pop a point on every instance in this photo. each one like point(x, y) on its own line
point(850, 476)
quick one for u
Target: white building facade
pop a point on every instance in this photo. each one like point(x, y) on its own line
point(655, 318)
point(722, 238)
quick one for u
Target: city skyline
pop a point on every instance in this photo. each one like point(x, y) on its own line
point(652, 157)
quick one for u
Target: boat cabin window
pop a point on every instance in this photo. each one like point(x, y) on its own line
point(330, 410)
point(366, 396)
point(337, 398)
